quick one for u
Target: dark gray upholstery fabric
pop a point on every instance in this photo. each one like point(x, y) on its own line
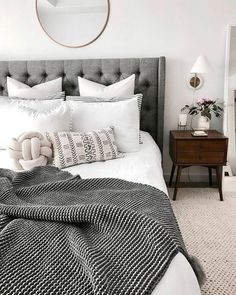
point(150, 80)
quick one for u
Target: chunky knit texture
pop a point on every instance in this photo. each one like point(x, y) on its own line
point(60, 234)
point(29, 149)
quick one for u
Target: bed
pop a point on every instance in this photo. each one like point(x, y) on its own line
point(144, 166)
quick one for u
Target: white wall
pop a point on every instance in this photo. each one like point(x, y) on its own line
point(179, 29)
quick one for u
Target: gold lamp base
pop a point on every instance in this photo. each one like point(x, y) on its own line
point(195, 82)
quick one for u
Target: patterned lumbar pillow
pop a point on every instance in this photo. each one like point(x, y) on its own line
point(73, 148)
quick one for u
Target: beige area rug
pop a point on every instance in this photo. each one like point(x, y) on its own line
point(208, 227)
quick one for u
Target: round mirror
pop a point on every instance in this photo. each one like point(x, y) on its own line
point(73, 23)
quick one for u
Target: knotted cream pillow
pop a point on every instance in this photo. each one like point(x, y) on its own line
point(29, 150)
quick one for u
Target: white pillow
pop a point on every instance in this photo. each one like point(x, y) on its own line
point(21, 90)
point(39, 105)
point(16, 119)
point(122, 88)
point(111, 99)
point(122, 115)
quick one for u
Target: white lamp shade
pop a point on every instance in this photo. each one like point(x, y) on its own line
point(201, 65)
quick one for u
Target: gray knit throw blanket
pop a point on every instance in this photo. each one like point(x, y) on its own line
point(60, 234)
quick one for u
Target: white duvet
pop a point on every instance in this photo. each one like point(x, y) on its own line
point(143, 167)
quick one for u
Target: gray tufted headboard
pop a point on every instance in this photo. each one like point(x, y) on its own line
point(150, 80)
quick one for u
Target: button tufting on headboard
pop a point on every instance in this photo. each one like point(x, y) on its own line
point(150, 80)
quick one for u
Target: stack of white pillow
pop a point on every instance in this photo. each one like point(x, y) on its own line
point(42, 108)
point(39, 108)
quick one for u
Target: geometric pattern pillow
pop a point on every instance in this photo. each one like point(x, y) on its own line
point(91, 99)
point(74, 148)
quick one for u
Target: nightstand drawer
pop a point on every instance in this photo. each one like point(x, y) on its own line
point(200, 145)
point(201, 158)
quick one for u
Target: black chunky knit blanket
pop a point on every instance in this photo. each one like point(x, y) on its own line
point(60, 234)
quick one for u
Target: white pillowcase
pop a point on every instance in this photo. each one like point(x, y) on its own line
point(15, 119)
point(38, 105)
point(111, 99)
point(122, 88)
point(21, 90)
point(122, 115)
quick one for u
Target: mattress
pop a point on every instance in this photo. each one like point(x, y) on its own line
point(142, 167)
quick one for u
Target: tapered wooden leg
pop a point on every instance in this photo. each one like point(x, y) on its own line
point(219, 181)
point(179, 169)
point(172, 174)
point(210, 175)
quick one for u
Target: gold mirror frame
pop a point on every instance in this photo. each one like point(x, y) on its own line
point(74, 46)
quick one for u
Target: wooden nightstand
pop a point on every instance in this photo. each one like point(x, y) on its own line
point(187, 150)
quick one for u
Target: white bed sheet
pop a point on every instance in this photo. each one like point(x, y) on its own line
point(143, 167)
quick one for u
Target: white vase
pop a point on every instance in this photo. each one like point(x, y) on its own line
point(203, 123)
